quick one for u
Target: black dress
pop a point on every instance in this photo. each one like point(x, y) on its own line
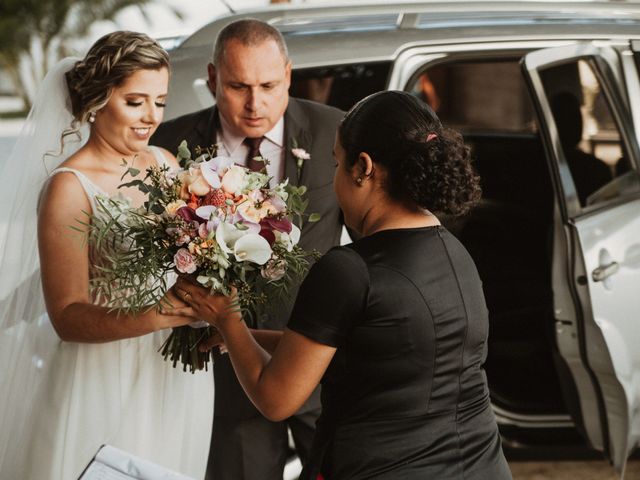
point(405, 396)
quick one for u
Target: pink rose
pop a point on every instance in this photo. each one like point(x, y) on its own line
point(184, 261)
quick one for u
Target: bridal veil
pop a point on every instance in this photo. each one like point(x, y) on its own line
point(27, 338)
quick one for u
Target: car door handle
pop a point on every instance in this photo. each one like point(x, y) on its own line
point(603, 272)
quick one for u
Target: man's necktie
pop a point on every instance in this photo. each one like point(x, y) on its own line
point(254, 151)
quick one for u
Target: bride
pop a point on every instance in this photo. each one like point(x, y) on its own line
point(73, 374)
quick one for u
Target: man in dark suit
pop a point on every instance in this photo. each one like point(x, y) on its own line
point(250, 77)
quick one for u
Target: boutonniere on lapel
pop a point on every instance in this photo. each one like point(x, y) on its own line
point(300, 155)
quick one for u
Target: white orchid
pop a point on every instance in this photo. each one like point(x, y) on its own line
point(213, 170)
point(278, 203)
point(210, 214)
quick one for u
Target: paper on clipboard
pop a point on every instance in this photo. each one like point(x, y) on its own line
point(111, 463)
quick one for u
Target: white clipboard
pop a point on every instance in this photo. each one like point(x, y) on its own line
point(111, 463)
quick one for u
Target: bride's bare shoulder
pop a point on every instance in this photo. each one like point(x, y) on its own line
point(63, 184)
point(65, 188)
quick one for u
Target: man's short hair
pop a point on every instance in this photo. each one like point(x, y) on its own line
point(248, 32)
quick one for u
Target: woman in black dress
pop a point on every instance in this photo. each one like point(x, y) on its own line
point(394, 325)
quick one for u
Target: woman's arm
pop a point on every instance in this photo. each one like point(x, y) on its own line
point(267, 339)
point(277, 384)
point(64, 261)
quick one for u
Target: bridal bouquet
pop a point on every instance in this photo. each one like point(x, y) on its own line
point(212, 219)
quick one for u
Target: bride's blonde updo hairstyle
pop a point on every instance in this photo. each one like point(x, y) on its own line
point(109, 62)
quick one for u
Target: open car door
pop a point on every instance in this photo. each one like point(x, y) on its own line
point(586, 125)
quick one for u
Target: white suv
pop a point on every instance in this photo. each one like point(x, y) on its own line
point(547, 95)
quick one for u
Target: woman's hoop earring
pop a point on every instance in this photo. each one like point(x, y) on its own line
point(92, 117)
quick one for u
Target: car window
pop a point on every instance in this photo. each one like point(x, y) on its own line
point(590, 137)
point(340, 86)
point(487, 100)
point(477, 95)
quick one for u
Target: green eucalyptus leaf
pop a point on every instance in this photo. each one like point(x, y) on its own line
point(134, 183)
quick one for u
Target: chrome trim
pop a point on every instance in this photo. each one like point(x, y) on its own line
point(505, 417)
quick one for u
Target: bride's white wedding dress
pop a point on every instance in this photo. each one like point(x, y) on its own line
point(120, 393)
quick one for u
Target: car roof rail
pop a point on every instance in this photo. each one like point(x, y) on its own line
point(386, 15)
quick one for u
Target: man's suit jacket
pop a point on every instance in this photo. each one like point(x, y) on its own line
point(307, 125)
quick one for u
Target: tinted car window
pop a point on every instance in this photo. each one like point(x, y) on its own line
point(477, 95)
point(590, 137)
point(340, 86)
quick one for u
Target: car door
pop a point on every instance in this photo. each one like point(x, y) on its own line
point(596, 275)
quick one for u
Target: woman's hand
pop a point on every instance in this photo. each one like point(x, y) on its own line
point(215, 340)
point(201, 304)
point(164, 318)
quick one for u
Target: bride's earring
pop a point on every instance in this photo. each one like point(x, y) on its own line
point(359, 181)
point(92, 117)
